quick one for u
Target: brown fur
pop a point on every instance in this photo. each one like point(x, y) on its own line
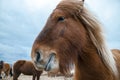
point(116, 52)
point(6, 69)
point(25, 67)
point(77, 39)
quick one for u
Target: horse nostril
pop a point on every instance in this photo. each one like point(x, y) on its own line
point(37, 56)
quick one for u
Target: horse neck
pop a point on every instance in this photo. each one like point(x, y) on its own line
point(89, 66)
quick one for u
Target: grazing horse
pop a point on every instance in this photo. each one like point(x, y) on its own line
point(73, 36)
point(25, 67)
point(5, 70)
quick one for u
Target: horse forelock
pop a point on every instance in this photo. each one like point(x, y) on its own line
point(93, 27)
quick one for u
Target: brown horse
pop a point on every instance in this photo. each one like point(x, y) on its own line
point(115, 51)
point(25, 67)
point(73, 36)
point(5, 70)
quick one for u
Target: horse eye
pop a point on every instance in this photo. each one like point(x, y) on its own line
point(61, 19)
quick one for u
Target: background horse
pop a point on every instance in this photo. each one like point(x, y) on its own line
point(5, 70)
point(116, 51)
point(25, 67)
point(73, 36)
point(1, 64)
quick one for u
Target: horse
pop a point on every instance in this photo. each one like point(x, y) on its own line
point(72, 35)
point(25, 67)
point(1, 64)
point(115, 51)
point(5, 70)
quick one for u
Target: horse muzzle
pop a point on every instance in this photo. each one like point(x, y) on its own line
point(43, 61)
point(50, 62)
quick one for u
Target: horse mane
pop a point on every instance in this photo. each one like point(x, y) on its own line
point(95, 33)
point(76, 9)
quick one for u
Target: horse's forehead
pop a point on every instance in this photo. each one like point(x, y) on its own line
point(58, 13)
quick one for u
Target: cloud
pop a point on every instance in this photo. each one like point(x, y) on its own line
point(108, 13)
point(35, 5)
point(20, 23)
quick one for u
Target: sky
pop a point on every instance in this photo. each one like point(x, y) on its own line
point(22, 20)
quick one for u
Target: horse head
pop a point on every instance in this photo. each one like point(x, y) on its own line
point(72, 36)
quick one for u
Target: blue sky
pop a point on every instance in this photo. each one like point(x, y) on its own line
point(22, 20)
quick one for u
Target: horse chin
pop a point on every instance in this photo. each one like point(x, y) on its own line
point(51, 68)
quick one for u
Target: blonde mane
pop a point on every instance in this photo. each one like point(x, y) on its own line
point(96, 35)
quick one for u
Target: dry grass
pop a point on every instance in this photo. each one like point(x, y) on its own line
point(42, 77)
point(24, 77)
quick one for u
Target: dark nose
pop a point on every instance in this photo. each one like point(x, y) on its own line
point(37, 56)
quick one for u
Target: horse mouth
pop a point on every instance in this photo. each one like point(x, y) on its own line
point(47, 66)
point(50, 62)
